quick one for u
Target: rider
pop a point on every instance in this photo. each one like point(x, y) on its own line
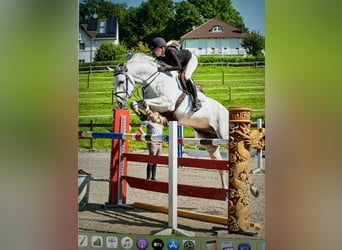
point(179, 59)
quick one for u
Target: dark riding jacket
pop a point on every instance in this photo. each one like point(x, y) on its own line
point(176, 58)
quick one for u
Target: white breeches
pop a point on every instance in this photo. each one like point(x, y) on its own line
point(190, 68)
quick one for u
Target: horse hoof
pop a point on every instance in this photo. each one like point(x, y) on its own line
point(254, 191)
point(143, 104)
point(143, 117)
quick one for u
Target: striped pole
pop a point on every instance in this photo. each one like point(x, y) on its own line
point(123, 136)
point(154, 138)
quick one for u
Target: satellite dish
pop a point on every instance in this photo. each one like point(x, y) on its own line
point(95, 16)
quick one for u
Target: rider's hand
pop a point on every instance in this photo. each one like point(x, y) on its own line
point(161, 69)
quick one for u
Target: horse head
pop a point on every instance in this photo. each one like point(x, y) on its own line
point(123, 84)
point(138, 68)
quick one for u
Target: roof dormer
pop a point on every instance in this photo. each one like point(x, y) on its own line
point(216, 28)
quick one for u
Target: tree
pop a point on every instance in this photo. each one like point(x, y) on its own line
point(153, 18)
point(109, 52)
point(141, 48)
point(221, 9)
point(102, 8)
point(160, 17)
point(254, 43)
point(186, 16)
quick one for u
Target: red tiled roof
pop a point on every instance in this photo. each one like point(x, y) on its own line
point(204, 30)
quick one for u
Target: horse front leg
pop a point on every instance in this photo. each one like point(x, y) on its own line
point(150, 114)
point(135, 107)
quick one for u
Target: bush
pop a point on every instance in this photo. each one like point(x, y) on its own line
point(109, 52)
point(223, 59)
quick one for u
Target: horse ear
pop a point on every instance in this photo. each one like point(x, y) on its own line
point(110, 69)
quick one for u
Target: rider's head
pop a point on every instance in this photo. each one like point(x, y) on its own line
point(157, 46)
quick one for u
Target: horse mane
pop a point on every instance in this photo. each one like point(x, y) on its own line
point(143, 58)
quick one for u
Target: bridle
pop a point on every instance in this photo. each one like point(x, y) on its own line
point(122, 70)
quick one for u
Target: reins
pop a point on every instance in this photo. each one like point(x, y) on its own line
point(154, 75)
point(146, 82)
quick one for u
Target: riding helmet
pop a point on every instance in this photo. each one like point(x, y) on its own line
point(158, 42)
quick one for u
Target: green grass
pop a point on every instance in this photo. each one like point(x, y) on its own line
point(95, 98)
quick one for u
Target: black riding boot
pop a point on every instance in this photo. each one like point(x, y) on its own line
point(196, 103)
point(154, 170)
point(148, 171)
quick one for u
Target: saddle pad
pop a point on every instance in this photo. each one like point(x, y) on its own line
point(200, 94)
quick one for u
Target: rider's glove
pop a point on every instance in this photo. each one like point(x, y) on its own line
point(161, 69)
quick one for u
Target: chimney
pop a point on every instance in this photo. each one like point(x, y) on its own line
point(242, 28)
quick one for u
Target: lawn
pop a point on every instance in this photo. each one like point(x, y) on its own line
point(231, 86)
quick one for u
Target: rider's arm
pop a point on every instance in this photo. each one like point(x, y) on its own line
point(172, 59)
point(141, 129)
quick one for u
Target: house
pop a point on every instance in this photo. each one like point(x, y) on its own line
point(92, 33)
point(215, 37)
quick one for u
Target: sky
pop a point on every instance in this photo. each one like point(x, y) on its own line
point(252, 12)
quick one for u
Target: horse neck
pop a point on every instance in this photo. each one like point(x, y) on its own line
point(141, 68)
point(142, 76)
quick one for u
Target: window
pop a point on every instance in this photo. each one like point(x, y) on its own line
point(216, 29)
point(103, 27)
point(82, 46)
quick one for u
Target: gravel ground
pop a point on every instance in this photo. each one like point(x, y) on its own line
point(100, 218)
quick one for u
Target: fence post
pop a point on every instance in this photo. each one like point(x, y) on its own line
point(88, 82)
point(173, 161)
point(116, 157)
point(91, 129)
point(222, 77)
point(260, 167)
point(180, 146)
point(112, 96)
point(230, 93)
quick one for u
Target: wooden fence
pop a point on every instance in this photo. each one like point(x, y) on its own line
point(103, 68)
point(222, 78)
